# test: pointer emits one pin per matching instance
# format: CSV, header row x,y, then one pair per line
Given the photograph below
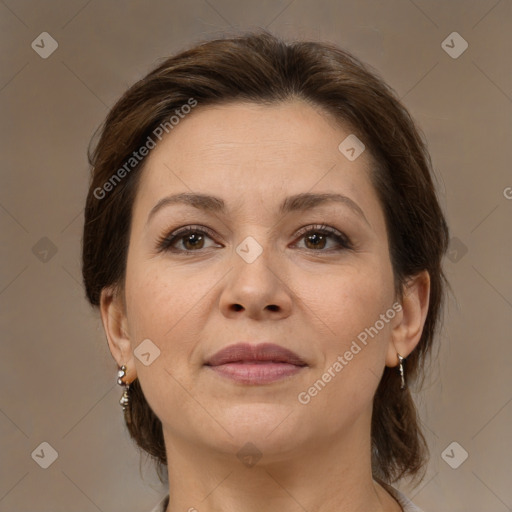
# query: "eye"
x,y
191,239
317,237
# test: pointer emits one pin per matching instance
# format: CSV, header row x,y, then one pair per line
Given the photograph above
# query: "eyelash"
x,y
165,243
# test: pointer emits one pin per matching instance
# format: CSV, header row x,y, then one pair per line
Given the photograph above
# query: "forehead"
x,y
289,128
250,152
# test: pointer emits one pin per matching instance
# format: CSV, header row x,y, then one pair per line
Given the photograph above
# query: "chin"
x,y
273,428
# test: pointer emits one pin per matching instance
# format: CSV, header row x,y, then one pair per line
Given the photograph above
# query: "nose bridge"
x,y
255,236
254,259
254,283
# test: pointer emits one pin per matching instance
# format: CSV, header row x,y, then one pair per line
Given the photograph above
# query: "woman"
x,y
263,240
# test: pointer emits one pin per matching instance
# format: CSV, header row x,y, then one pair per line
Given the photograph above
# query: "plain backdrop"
x,y
57,378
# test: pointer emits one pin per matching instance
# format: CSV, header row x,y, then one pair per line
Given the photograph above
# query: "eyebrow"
x,y
299,202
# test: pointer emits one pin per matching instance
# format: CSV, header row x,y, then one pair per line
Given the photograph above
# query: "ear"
x,y
113,316
409,322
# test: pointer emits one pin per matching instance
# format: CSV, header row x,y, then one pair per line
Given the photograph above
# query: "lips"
x,y
256,365
254,354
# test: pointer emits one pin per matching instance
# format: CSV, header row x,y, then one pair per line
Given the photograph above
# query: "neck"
x,y
324,475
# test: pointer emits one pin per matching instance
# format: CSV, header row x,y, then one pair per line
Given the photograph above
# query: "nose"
x,y
258,289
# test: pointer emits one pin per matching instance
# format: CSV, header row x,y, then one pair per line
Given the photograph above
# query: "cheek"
x,y
158,293
157,304
356,306
160,308
353,299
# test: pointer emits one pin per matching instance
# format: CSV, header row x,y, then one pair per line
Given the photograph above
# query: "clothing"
x,y
405,503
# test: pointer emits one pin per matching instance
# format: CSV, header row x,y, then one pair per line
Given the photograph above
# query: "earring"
x,y
125,399
402,371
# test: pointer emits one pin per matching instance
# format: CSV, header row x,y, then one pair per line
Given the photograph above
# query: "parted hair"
x,y
261,68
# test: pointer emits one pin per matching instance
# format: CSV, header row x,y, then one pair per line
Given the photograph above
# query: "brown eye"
x,y
317,237
190,239
195,240
317,240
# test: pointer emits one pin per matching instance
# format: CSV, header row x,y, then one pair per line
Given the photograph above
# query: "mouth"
x,y
256,364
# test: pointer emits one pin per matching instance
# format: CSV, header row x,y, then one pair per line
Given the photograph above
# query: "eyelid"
x,y
346,242
166,241
193,227
320,227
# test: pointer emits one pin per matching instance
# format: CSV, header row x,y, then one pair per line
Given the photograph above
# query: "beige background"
x,y
57,377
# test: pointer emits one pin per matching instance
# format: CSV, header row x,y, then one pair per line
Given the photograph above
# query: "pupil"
x,y
318,237
191,237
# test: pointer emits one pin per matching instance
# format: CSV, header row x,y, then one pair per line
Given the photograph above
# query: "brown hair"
x,y
261,68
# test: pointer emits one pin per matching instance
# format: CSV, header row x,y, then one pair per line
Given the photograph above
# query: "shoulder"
x,y
404,501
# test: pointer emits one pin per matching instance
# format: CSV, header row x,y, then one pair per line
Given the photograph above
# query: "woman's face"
x,y
260,273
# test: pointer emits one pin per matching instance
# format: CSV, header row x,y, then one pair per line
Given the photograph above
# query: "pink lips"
x,y
255,364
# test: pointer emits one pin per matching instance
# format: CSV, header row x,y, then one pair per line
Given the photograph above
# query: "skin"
x,y
315,457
